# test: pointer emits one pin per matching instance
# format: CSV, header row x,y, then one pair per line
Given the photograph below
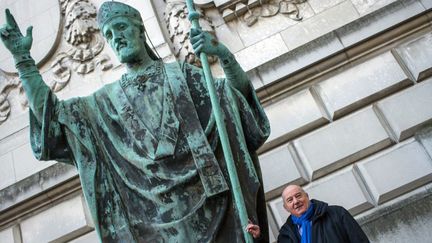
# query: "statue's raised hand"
x,y
12,37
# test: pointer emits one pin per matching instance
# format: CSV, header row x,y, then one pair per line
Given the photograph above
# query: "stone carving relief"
x,y
249,11
86,43
178,26
6,86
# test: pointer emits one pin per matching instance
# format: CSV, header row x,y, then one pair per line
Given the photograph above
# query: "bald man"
x,y
314,221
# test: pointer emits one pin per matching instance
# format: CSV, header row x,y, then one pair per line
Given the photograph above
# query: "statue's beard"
x,y
129,55
130,51
125,52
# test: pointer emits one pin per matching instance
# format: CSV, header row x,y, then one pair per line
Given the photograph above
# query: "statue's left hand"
x,y
203,41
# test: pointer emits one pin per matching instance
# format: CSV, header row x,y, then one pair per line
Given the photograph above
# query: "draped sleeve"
x,y
66,134
247,129
243,108
63,130
255,124
47,137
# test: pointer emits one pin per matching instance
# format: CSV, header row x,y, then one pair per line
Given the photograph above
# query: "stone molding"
x,y
330,60
28,196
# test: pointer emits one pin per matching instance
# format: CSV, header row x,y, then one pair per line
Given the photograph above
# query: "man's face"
x,y
296,201
126,39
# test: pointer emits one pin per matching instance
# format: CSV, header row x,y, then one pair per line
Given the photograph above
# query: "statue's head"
x,y
123,29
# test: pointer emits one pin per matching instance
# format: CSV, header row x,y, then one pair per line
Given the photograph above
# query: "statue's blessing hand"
x,y
12,37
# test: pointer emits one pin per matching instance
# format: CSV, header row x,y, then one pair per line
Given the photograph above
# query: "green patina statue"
x,y
146,147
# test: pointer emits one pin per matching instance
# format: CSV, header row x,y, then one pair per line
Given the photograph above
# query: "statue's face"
x,y
126,39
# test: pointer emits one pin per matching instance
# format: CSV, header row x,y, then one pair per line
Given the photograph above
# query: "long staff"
x,y
235,183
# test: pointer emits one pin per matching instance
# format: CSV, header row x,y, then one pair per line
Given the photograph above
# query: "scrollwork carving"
x,y
82,33
4,108
249,11
6,86
178,26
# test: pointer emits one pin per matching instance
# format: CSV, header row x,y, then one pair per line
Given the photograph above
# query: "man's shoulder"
x,y
337,212
337,209
287,225
323,208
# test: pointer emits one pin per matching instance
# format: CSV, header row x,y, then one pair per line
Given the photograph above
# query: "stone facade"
x,y
347,89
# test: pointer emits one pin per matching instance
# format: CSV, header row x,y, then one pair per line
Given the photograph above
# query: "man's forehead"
x,y
291,191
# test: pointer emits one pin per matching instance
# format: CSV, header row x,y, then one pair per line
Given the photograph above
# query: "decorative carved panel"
x,y
249,11
85,41
178,27
6,86
84,45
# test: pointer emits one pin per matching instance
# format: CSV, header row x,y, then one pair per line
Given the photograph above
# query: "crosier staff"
x,y
235,184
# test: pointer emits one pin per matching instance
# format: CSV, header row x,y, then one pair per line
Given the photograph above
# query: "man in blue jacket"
x,y
314,221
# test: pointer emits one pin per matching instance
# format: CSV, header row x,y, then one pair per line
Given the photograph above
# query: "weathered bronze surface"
x,y
146,146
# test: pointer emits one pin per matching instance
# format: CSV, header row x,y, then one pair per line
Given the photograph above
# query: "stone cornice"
x,y
42,189
382,41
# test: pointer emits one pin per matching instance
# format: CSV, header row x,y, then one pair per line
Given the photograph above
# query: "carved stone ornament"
x,y
82,34
178,26
6,86
249,11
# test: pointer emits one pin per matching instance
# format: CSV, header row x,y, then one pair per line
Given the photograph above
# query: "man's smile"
x,y
298,206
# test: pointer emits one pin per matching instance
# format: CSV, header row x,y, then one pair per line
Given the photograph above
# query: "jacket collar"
x,y
290,229
320,209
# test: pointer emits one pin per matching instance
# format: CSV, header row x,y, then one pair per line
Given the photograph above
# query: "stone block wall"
x,y
365,152
348,93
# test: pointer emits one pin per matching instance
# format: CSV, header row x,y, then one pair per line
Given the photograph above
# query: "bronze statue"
x,y
146,147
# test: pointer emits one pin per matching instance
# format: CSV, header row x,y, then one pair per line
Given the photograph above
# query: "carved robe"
x,y
149,156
